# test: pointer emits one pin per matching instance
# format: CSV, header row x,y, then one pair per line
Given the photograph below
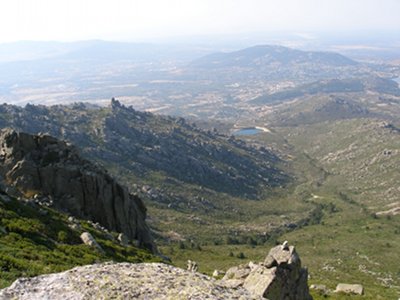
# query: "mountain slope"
x,y
147,145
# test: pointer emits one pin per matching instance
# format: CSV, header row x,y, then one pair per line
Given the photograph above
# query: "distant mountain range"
x,y
176,79
96,50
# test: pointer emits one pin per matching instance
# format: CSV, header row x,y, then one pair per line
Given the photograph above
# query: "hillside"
x,y
348,166
148,145
197,185
328,101
37,239
361,157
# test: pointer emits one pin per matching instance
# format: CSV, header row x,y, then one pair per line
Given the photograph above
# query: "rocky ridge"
x,y
141,145
42,166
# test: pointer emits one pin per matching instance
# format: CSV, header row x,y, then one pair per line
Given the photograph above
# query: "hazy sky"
x,y
138,19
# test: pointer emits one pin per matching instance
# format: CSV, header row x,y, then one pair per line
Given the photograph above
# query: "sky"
x,y
130,20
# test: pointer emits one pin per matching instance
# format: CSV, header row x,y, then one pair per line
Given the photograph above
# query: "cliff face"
x,y
41,164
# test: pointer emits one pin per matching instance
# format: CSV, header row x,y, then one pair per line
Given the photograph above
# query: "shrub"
x,y
62,236
182,245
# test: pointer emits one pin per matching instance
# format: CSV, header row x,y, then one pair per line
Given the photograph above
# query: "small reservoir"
x,y
249,131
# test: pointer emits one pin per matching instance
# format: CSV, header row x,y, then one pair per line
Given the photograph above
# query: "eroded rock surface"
x,y
122,281
41,164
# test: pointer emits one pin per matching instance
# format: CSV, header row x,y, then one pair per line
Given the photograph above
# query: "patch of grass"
x,y
36,243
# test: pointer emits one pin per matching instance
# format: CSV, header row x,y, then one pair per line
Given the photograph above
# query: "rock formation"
x,y
192,266
280,276
122,281
41,164
89,240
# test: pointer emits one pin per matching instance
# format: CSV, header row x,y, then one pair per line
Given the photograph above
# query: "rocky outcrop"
x,y
345,288
280,276
89,240
122,281
41,164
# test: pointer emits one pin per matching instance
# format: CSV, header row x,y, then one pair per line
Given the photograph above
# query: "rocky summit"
x,y
40,166
122,281
280,276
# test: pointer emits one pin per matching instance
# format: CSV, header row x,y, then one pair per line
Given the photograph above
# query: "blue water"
x,y
397,79
247,131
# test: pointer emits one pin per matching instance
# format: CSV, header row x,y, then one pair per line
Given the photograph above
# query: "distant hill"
x,y
349,85
312,109
95,50
264,55
266,64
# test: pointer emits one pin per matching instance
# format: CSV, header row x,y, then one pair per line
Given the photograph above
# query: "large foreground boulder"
x,y
280,276
122,281
41,164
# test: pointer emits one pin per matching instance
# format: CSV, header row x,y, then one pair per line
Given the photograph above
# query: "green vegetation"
x,y
38,240
348,245
345,171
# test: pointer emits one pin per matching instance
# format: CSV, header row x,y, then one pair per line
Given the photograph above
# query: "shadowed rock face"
x,y
41,164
